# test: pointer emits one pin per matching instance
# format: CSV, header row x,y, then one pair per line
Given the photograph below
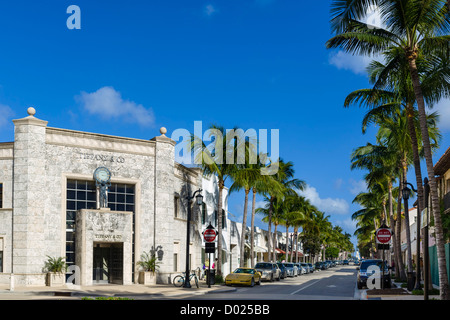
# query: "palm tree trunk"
x,y
420,192
219,228
440,242
274,256
392,224
252,231
269,244
287,243
244,227
398,250
296,243
408,229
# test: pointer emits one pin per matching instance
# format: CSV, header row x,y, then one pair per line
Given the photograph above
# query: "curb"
x,y
168,292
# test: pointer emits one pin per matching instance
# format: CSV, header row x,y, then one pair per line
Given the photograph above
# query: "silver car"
x,y
306,267
269,271
291,269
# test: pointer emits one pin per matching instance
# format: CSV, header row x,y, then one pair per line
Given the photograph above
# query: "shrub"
x,y
54,264
148,262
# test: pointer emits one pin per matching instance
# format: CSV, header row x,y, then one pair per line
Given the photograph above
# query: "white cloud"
x,y
349,225
443,109
5,115
328,205
346,61
210,10
357,186
108,104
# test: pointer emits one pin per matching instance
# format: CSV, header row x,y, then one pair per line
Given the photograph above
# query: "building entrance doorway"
x,y
108,263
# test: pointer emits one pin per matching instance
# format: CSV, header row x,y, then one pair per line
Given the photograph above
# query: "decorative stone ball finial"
x,y
31,111
163,130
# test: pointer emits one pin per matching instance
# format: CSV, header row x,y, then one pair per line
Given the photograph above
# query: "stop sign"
x,y
384,235
209,235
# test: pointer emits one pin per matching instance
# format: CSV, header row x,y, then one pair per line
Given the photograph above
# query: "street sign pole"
x,y
209,271
382,271
383,235
209,235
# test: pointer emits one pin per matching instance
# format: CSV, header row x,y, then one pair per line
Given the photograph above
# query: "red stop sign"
x,y
209,235
384,235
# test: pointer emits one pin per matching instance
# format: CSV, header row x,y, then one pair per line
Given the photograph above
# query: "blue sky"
x,y
135,66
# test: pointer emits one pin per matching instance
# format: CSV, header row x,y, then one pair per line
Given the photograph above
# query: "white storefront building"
x,y
50,205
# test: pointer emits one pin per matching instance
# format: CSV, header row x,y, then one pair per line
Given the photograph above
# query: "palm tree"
x,y
244,178
393,91
293,215
394,133
382,164
311,228
213,164
288,185
414,27
262,185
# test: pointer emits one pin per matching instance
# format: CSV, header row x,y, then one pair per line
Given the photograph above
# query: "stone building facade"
x,y
49,205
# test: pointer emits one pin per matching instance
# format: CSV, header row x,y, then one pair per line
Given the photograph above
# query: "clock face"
x,y
102,175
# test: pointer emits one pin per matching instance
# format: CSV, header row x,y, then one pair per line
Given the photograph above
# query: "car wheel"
x,y
279,277
359,284
259,282
252,283
271,277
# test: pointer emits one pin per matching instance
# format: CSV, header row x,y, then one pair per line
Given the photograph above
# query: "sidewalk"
x,y
134,291
406,295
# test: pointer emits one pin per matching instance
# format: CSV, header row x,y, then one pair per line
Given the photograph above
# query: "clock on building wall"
x,y
102,175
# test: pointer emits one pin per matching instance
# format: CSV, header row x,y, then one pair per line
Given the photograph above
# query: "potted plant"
x,y
56,268
149,265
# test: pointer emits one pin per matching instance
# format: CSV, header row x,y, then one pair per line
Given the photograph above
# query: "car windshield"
x,y
241,270
367,263
264,265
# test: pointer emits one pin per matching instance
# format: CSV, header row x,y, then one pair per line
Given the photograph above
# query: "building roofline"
x,y
443,164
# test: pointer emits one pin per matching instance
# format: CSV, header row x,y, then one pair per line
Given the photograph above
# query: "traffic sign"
x,y
209,235
210,247
383,235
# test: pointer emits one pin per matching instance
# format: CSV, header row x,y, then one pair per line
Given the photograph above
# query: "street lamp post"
x,y
199,201
405,194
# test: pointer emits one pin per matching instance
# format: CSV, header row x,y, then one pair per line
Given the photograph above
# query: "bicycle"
x,y
178,281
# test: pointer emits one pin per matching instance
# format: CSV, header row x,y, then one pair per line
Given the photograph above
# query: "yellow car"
x,y
243,276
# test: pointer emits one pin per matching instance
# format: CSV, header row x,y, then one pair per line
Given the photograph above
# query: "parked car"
x,y
311,267
319,265
269,271
243,276
299,269
282,269
306,266
290,271
364,273
345,262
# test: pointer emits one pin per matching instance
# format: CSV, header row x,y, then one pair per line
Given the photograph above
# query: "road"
x,y
337,283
